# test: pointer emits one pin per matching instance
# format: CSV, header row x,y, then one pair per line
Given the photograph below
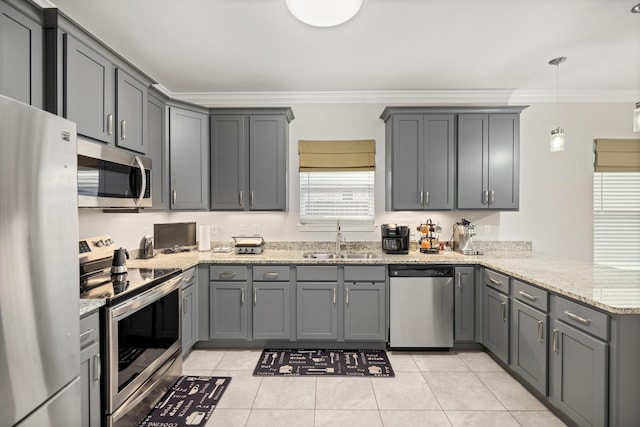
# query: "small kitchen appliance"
x,y
146,248
119,263
249,245
463,233
395,238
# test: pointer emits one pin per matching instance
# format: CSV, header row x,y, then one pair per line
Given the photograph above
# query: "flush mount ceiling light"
x,y
324,13
556,142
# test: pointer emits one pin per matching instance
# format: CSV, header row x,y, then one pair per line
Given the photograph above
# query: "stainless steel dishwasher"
x,y
421,306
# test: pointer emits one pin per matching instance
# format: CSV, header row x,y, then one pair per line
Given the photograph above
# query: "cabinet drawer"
x,y
89,330
364,274
496,280
188,278
317,273
531,295
581,317
268,273
228,272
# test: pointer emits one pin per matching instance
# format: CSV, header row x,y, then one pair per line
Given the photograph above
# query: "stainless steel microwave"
x,y
112,178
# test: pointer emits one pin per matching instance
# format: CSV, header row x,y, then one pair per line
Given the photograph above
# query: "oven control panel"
x,y
93,248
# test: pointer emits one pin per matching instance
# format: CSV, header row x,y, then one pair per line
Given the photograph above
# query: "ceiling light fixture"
x,y
324,13
636,8
556,142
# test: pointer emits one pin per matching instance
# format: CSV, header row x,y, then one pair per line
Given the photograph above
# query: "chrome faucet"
x,y
339,238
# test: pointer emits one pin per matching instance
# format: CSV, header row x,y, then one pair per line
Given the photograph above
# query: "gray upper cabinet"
x,y
464,304
90,94
131,97
158,150
420,162
189,159
488,161
21,54
249,159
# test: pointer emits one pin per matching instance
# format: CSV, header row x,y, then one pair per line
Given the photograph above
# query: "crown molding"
x,y
501,96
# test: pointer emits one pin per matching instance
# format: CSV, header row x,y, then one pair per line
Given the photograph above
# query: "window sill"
x,y
331,226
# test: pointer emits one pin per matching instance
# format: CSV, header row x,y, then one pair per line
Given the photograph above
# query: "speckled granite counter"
x,y
89,305
609,289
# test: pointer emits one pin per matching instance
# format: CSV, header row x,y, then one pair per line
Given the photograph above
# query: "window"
x,y
616,215
328,196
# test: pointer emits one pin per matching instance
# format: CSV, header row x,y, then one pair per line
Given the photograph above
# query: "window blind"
x,y
332,156
617,155
327,196
616,215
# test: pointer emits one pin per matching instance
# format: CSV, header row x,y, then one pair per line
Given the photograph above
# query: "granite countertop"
x,y
609,289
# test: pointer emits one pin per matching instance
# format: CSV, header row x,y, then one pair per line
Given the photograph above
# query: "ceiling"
x,y
216,47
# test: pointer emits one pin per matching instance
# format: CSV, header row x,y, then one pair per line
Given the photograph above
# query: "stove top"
x,y
114,288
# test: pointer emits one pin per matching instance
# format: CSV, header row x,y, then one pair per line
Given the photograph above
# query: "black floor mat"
x,y
356,363
189,402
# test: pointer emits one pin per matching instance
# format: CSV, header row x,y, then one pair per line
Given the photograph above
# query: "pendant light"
x,y
636,117
556,142
324,13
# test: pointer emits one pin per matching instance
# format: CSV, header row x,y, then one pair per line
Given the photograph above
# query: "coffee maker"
x,y
463,233
395,238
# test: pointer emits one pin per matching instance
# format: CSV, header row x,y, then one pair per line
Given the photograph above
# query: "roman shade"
x,y
617,155
337,156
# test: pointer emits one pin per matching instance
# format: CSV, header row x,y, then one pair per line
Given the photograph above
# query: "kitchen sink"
x,y
333,255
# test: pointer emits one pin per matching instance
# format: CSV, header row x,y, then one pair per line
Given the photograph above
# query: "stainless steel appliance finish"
x,y
112,178
39,326
463,233
248,245
420,306
146,248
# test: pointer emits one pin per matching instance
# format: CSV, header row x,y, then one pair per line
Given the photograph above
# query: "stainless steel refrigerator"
x,y
39,320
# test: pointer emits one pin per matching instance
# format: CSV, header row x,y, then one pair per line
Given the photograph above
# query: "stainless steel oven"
x,y
143,346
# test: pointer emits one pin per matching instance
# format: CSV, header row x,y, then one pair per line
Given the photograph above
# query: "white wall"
x,y
555,188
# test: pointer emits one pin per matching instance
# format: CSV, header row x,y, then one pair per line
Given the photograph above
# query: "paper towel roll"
x,y
204,238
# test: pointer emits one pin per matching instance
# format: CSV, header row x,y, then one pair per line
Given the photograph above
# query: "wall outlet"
x,y
487,229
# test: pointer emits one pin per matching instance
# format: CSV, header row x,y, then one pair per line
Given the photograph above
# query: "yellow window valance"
x,y
337,156
617,155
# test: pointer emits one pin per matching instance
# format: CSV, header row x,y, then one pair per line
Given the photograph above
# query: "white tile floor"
x,y
429,389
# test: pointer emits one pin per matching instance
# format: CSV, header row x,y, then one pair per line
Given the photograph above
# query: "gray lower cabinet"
x,y
189,310
90,370
365,311
529,344
271,311
488,161
464,305
158,149
249,157
228,310
131,106
317,311
21,54
495,323
90,93
189,159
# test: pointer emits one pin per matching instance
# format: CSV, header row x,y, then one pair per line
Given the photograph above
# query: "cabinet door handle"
x,y
252,198
492,197
459,280
528,296
184,305
577,318
271,275
495,282
109,124
227,275
255,296
85,333
421,198
540,331
346,296
242,296
97,368
503,310
555,340
426,198
334,296
485,197
174,196
123,130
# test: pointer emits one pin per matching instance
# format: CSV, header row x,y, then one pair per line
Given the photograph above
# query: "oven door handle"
x,y
145,298
143,188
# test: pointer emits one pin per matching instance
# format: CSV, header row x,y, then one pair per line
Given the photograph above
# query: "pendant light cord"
x,y
557,93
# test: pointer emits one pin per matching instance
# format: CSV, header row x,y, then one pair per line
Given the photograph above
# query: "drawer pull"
x,y
86,333
227,275
540,331
495,282
272,275
577,318
555,340
528,296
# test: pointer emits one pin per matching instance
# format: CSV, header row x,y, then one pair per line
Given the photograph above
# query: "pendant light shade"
x,y
636,118
324,13
556,141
